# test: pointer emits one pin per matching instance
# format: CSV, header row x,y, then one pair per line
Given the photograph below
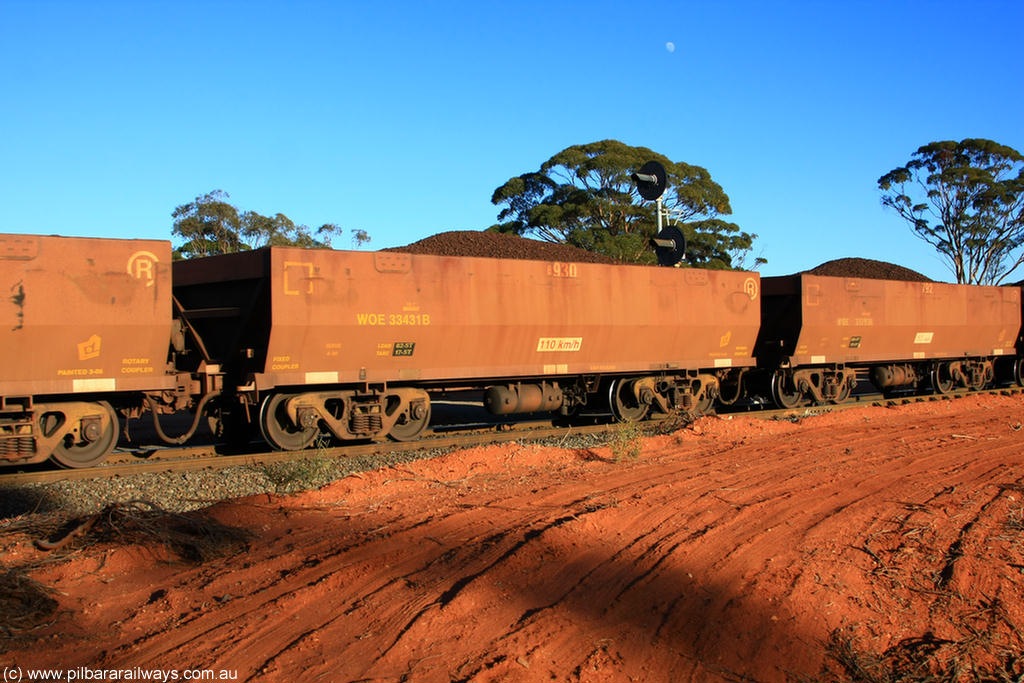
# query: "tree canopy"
x,y
210,225
584,196
965,199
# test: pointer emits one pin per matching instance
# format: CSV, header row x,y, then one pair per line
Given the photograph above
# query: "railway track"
x,y
128,463
205,457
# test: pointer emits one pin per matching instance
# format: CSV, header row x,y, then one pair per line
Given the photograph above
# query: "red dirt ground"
x,y
734,549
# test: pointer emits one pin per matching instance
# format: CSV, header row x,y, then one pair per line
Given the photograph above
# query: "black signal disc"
x,y
651,190
670,255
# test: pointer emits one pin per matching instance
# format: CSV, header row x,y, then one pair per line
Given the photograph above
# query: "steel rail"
x,y
206,457
200,458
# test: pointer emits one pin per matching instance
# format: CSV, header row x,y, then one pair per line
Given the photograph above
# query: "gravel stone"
x,y
184,491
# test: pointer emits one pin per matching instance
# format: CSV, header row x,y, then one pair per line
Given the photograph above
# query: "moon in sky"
x,y
671,47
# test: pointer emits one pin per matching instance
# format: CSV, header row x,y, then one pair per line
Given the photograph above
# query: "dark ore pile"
x,y
498,245
867,268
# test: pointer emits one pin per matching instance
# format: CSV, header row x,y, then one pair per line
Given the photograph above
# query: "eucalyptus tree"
x,y
585,196
965,199
210,225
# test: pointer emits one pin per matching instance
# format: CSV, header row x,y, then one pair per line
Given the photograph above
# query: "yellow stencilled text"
x,y
136,366
563,269
559,344
855,322
283,363
394,319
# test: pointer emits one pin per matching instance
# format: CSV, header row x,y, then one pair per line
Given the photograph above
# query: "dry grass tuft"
x,y
924,659
25,604
973,657
192,537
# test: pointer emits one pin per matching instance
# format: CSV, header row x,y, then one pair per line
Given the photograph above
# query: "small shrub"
x,y
626,442
297,475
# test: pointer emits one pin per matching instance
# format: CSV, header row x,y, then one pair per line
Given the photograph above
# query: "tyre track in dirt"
x,y
733,548
282,598
655,550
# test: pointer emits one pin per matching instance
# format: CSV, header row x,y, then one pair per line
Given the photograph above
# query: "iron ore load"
x,y
301,347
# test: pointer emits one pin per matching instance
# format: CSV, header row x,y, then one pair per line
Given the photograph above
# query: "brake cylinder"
x,y
522,398
884,376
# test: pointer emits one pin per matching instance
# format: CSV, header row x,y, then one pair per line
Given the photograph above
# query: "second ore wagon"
x,y
352,342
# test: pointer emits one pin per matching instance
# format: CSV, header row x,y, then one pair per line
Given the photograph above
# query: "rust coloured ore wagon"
x,y
353,343
84,328
819,332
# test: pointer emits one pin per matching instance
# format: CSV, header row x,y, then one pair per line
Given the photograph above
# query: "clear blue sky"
x,y
401,118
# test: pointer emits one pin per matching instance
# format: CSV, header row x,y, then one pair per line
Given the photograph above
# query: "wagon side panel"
x,y
852,320
373,317
83,315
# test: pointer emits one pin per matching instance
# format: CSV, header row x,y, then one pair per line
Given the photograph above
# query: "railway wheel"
x,y
277,428
942,380
412,422
86,443
978,380
703,405
784,392
1018,372
624,404
843,395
